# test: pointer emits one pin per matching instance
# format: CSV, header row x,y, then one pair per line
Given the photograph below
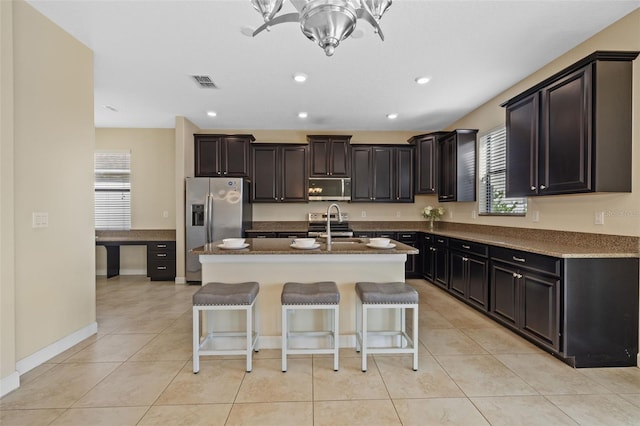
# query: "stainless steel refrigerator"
x,y
216,208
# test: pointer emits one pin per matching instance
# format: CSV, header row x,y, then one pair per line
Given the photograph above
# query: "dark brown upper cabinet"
x,y
457,166
571,133
382,174
426,165
222,155
279,173
329,156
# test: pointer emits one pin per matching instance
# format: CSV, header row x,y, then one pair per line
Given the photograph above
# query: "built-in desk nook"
x,y
161,250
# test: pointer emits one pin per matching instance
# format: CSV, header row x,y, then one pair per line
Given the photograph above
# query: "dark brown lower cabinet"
x,y
441,261
161,260
528,301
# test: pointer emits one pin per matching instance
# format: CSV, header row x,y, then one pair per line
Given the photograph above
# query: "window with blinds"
x,y
492,168
112,190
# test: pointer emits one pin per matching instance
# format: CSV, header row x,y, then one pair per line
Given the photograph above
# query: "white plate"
x,y
222,246
315,246
388,246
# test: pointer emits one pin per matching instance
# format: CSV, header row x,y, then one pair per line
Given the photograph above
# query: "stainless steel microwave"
x,y
329,189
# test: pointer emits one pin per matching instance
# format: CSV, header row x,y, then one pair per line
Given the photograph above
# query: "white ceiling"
x,y
146,50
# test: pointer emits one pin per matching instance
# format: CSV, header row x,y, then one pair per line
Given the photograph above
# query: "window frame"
x,y
485,203
112,176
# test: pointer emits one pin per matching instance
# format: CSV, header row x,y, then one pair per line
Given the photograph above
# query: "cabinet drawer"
x,y
440,241
523,259
162,247
469,247
387,234
407,237
363,234
261,235
294,234
160,270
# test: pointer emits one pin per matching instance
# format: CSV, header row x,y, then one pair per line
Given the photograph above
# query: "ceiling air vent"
x,y
204,81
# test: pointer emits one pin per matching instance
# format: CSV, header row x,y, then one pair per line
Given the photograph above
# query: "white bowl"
x,y
233,242
379,242
304,242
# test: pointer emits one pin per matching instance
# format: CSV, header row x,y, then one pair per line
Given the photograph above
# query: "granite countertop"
x,y
541,241
283,246
136,235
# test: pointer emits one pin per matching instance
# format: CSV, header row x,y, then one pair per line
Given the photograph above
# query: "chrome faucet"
x,y
329,222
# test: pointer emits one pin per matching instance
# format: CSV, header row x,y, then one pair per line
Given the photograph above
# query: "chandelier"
x,y
326,22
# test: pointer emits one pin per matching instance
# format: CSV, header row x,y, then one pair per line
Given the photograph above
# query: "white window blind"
x,y
492,167
112,190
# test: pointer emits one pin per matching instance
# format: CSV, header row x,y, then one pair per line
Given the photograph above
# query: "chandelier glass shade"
x,y
325,22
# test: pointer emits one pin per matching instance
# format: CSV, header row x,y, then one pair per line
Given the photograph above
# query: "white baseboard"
x,y
181,280
9,383
56,348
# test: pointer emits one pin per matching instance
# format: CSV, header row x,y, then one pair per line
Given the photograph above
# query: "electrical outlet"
x,y
474,214
599,218
398,214
39,220
363,214
165,214
535,216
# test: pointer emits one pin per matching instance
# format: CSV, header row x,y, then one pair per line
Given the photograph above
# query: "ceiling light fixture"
x,y
303,115
211,113
422,80
392,116
326,22
300,77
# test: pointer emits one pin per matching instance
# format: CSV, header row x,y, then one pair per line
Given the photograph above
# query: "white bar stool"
x,y
394,295
225,297
323,295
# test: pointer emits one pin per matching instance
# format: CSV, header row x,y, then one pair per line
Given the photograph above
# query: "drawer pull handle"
x,y
465,259
161,245
161,254
519,259
162,268
466,247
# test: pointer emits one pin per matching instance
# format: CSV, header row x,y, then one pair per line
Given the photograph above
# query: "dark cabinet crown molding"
x,y
598,55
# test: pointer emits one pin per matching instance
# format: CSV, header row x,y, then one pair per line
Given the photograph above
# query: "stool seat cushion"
x,y
383,293
226,294
318,293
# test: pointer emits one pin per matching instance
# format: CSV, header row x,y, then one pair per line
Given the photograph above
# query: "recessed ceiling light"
x,y
422,80
392,116
211,113
110,108
303,115
300,77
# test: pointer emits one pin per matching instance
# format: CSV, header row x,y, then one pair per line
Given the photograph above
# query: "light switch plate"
x,y
599,218
39,220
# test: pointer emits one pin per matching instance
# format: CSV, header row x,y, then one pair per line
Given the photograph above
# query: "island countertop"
x,y
283,246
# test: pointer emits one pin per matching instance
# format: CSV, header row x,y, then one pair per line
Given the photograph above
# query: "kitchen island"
x,y
273,261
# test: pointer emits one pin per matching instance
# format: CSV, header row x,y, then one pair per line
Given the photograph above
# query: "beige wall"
x,y
8,373
52,143
152,187
572,212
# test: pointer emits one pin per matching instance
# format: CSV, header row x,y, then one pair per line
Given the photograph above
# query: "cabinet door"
x,y
361,174
264,172
383,181
207,156
426,165
329,156
447,169
477,282
404,174
293,179
565,146
235,156
441,266
522,147
458,273
539,305
504,294
427,257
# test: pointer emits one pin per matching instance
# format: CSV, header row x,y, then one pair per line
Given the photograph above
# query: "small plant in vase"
x,y
432,214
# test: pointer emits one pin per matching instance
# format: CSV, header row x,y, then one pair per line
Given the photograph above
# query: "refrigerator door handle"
x,y
206,219
210,219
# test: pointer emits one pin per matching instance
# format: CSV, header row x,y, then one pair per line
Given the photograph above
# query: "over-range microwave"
x,y
329,189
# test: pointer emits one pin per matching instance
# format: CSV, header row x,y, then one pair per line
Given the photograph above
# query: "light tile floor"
x,y
137,371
